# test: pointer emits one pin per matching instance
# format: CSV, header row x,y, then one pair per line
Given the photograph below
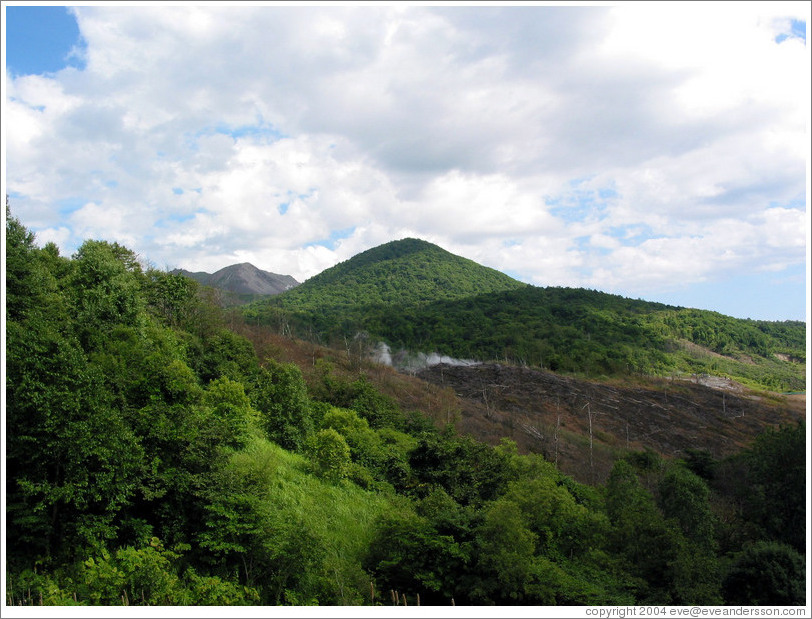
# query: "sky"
x,y
653,150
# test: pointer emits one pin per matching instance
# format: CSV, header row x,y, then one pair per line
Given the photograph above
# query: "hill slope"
x,y
243,279
598,334
547,413
416,296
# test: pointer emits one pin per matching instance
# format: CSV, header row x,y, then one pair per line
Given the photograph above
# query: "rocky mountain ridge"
x,y
243,279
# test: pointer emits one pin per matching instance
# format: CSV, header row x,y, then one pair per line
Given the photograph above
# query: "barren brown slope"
x,y
550,414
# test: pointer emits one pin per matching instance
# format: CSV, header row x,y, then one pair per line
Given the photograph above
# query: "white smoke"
x,y
382,354
411,362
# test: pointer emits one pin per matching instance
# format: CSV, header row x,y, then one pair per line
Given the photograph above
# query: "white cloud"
x,y
568,145
473,208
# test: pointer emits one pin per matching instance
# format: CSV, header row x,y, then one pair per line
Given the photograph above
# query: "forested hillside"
x,y
404,274
597,334
415,296
153,457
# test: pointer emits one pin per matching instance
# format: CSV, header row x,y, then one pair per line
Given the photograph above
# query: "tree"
x,y
105,290
73,462
469,471
365,445
505,549
280,394
233,408
330,454
408,555
224,353
171,297
640,534
563,527
685,497
379,410
775,496
132,575
22,288
766,573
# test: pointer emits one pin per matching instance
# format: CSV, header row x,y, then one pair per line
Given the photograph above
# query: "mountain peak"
x,y
405,272
394,250
244,278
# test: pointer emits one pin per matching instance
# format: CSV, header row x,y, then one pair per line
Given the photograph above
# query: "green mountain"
x,y
405,273
416,296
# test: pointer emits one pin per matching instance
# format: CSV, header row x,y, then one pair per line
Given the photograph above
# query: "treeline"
x,y
153,458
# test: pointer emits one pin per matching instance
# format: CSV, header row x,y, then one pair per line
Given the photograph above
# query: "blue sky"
x,y
40,39
572,146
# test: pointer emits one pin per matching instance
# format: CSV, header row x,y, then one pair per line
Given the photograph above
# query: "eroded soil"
x,y
551,414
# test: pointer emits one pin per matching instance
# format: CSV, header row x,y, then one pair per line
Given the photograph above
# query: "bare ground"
x,y
551,414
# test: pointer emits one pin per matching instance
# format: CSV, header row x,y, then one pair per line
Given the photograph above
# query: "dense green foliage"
x,y
416,296
404,273
407,272
153,458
